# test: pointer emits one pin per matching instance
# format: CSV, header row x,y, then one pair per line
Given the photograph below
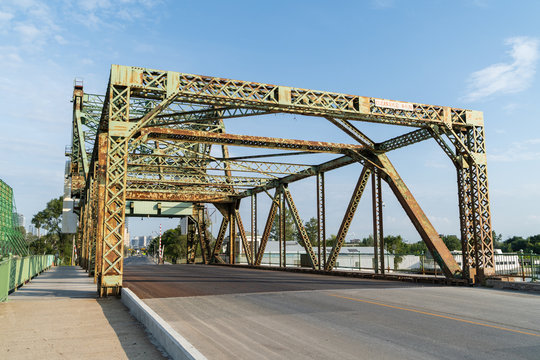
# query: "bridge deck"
x,y
234,313
57,316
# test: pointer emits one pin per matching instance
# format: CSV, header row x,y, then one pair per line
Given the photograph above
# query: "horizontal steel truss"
x,y
156,129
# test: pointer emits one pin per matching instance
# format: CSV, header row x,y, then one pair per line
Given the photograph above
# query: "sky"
x,y
480,55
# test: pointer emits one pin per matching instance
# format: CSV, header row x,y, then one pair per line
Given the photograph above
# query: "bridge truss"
x,y
150,138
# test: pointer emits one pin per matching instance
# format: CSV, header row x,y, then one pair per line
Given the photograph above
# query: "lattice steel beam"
x,y
248,141
348,217
226,92
268,227
211,164
404,140
378,233
300,227
243,236
219,240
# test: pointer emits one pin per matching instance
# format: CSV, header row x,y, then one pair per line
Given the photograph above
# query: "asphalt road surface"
x,y
232,313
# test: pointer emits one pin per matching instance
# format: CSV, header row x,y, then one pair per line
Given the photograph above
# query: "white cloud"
x,y
28,32
106,13
505,78
5,18
527,150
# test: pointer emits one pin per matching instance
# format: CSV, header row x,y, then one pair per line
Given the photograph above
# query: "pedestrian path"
x,y
58,316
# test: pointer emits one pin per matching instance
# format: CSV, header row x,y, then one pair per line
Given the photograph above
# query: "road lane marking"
x,y
436,315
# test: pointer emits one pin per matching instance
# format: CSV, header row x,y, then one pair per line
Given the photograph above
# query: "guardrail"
x,y
17,271
518,264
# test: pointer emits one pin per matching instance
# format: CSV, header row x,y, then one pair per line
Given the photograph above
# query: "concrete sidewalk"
x,y
58,316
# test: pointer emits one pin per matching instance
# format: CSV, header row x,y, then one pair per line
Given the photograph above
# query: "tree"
x,y
368,241
395,245
174,244
53,241
497,240
452,242
291,233
535,243
418,248
311,227
330,241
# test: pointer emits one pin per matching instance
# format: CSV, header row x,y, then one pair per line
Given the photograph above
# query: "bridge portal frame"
x,y
144,106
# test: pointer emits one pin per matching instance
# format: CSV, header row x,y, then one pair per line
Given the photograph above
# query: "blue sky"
x,y
478,55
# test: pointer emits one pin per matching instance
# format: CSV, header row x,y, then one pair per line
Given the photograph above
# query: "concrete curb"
x,y
511,285
176,346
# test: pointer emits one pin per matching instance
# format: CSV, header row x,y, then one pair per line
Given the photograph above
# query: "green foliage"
x,y
175,244
53,242
311,229
452,242
518,243
50,218
368,241
291,233
331,240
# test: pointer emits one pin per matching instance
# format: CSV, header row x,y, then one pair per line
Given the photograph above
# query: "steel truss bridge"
x,y
147,144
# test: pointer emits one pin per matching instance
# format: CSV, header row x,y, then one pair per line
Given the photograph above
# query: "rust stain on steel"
x,y
162,196
251,141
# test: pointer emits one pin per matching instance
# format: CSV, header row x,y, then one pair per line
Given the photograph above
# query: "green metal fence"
x,y
16,271
11,237
519,264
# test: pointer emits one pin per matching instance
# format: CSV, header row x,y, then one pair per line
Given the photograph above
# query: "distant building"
x,y
126,237
21,220
138,242
69,218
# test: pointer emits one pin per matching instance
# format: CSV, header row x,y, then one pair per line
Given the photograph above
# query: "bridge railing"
x,y
519,264
16,271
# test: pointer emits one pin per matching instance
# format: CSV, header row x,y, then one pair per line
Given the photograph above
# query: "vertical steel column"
x,y
375,184
473,194
118,103
466,222
98,202
283,224
253,225
379,216
84,231
232,235
281,227
321,220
